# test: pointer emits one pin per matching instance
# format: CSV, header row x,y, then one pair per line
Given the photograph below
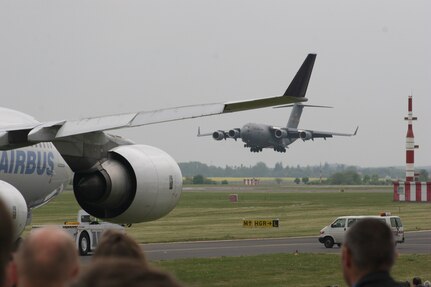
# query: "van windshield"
x,y
340,222
396,222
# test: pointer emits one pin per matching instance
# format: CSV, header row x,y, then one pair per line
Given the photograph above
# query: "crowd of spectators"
x,y
48,257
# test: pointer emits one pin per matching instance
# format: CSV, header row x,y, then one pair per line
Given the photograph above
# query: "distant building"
x,y
251,181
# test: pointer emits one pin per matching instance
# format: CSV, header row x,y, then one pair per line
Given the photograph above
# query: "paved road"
x,y
416,243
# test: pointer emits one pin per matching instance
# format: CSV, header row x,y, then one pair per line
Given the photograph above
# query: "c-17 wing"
x,y
219,135
319,134
292,133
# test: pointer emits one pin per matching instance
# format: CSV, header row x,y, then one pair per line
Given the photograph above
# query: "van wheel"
x,y
84,243
329,242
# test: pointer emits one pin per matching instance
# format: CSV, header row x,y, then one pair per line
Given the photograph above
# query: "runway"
x,y
415,243
418,242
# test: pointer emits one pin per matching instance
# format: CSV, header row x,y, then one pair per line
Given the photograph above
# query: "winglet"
x,y
299,84
295,93
356,131
199,131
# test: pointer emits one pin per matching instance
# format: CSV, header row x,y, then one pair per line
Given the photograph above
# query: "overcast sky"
x,y
74,59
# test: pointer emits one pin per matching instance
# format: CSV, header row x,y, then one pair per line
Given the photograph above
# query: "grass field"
x,y
209,214
206,213
281,270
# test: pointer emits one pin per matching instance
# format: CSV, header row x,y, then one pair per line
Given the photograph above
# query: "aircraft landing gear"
x,y
256,149
280,149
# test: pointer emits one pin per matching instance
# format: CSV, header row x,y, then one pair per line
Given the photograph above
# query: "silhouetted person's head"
x,y
116,244
417,281
369,247
6,233
121,272
47,257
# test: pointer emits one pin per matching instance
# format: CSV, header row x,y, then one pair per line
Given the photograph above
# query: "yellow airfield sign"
x,y
260,223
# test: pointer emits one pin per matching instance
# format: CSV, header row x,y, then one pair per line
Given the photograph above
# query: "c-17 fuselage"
x,y
259,136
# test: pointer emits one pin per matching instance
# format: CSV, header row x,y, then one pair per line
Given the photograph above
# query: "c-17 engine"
x,y
279,133
234,133
219,135
305,135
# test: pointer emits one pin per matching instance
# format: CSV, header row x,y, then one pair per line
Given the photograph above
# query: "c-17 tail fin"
x,y
299,84
298,88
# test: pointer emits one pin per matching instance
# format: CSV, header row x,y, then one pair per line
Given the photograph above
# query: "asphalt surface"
x,y
415,243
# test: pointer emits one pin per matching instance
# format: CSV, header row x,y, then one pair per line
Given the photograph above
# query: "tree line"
x,y
331,173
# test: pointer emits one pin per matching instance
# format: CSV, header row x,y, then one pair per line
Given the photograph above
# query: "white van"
x,y
334,233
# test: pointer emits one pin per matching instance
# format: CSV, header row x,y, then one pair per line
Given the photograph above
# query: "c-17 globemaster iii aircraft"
x,y
260,136
113,178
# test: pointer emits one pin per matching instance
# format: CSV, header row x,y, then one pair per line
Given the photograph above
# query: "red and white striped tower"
x,y
410,143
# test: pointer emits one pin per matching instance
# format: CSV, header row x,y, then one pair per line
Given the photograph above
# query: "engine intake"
x,y
135,183
279,133
107,191
17,206
234,133
218,135
306,135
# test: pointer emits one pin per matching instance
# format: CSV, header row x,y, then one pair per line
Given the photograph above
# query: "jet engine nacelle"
x,y
17,206
279,133
218,135
136,183
306,135
234,133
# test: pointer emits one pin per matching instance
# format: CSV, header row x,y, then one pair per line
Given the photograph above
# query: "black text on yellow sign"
x,y
259,223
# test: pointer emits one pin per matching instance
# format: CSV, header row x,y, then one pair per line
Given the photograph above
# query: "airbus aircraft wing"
x,y
49,131
75,127
31,131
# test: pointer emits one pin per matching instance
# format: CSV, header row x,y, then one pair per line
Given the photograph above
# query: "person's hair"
x,y
371,244
417,280
116,244
6,234
46,256
120,272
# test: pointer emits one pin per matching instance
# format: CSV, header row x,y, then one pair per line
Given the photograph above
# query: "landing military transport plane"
x,y
260,136
113,178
